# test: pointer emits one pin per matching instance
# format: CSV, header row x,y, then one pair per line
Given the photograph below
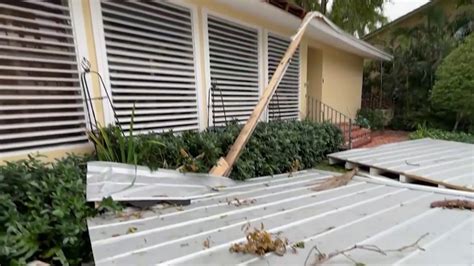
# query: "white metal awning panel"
x,y
125,182
437,161
389,215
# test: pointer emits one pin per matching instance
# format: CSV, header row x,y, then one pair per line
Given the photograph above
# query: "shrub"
x,y
274,147
43,211
454,85
369,118
424,132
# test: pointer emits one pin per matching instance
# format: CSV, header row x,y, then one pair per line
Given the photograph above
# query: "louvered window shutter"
x,y
150,56
40,97
233,56
284,103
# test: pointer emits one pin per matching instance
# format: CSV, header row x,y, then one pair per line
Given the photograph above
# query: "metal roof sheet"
x,y
447,163
125,182
389,215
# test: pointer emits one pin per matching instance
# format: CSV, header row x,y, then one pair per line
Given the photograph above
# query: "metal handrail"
x,y
318,111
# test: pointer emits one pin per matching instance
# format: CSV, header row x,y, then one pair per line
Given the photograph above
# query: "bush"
x,y
43,211
275,147
424,132
368,118
454,85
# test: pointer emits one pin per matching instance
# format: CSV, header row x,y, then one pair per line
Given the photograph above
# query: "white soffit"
x,y
321,29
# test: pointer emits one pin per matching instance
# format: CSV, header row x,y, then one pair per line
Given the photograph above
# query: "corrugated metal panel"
x,y
40,98
150,53
364,211
233,55
285,102
128,183
437,161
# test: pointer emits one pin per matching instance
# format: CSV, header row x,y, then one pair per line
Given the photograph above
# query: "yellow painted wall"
x,y
315,71
342,81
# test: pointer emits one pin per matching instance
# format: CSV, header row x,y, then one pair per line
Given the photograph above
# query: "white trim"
x,y
81,48
6,156
266,113
197,62
321,30
261,67
101,56
207,66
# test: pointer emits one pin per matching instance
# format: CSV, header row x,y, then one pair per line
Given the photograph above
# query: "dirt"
x,y
386,137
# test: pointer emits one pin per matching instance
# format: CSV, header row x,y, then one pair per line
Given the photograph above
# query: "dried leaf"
x,y
131,230
260,242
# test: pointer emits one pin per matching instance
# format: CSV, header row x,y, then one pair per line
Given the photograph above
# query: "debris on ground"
x,y
335,181
259,242
297,245
239,202
323,257
207,243
131,230
453,204
125,216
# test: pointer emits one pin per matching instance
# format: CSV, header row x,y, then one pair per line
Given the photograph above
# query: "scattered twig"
x,y
453,204
323,257
335,181
239,202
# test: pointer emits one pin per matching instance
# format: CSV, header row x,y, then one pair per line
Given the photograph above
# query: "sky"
x,y
397,8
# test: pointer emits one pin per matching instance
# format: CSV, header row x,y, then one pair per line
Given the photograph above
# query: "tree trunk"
x,y
458,119
324,4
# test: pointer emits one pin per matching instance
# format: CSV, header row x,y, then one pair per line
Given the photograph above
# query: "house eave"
x,y
321,29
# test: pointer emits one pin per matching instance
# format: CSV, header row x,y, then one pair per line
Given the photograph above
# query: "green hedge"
x,y
275,147
43,212
424,132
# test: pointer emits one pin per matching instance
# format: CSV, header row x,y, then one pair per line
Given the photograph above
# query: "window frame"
x,y
103,66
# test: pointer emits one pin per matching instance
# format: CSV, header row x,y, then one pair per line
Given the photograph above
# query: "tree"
x,y
454,87
354,16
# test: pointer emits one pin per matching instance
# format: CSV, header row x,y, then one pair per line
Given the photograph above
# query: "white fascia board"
x,y
321,29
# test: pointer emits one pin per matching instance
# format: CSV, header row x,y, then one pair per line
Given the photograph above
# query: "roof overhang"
x,y
320,29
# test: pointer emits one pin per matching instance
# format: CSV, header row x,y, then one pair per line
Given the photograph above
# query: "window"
x,y
234,69
151,64
40,97
284,103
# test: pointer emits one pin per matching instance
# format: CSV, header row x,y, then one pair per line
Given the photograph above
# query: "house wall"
x,y
315,72
338,74
342,81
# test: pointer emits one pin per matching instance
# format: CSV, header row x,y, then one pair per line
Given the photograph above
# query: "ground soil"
x,y
385,137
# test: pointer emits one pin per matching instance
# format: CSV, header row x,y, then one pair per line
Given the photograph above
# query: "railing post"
x,y
350,133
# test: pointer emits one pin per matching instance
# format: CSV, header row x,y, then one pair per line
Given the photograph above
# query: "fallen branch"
x,y
323,257
453,204
335,181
